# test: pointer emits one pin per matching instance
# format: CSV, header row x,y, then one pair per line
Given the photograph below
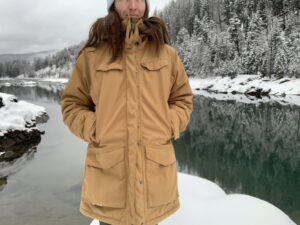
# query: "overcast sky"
x,y
37,25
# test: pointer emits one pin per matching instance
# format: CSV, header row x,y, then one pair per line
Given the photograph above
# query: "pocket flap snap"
x,y
161,154
105,159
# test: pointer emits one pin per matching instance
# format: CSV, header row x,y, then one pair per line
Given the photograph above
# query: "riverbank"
x,y
249,89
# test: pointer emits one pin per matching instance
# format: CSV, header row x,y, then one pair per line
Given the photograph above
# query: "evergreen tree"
x,y
253,53
183,48
234,30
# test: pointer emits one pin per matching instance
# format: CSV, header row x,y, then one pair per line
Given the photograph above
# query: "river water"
x,y
245,148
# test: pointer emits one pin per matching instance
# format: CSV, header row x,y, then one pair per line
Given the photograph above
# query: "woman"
x,y
128,96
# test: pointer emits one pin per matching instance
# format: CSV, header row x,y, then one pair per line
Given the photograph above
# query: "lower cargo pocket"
x,y
104,181
161,175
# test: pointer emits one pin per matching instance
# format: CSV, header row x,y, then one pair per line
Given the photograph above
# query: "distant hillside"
x,y
26,56
46,64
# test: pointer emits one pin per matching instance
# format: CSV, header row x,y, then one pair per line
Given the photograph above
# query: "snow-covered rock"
x,y
18,121
17,115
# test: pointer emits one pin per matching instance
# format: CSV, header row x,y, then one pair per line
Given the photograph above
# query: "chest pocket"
x,y
157,77
106,73
109,85
107,76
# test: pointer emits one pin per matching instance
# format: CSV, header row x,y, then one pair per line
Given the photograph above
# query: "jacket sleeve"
x,y
76,104
180,99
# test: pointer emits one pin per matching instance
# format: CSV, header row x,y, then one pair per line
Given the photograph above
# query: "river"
x,y
245,148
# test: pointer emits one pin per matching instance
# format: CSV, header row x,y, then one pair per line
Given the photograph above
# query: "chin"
x,y
135,18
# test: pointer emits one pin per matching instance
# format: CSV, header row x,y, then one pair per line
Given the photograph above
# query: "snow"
x,y
7,97
56,80
205,203
29,83
244,83
6,84
284,91
15,115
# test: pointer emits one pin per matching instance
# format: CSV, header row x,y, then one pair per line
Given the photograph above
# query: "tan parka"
x,y
128,111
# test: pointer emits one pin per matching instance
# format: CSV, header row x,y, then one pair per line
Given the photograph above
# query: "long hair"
x,y
109,30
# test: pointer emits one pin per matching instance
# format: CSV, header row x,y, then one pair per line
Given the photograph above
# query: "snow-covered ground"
x,y
284,91
56,80
17,115
250,83
205,203
32,81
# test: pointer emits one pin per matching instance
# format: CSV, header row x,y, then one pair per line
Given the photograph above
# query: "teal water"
x,y
246,148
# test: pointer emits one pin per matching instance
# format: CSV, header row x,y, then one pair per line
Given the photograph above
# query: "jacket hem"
x,y
154,221
166,214
100,218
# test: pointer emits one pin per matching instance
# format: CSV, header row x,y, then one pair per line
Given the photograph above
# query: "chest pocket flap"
x,y
109,66
154,65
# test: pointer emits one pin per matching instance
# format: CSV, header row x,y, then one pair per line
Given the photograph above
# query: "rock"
x,y
42,118
284,80
9,155
17,137
258,92
1,102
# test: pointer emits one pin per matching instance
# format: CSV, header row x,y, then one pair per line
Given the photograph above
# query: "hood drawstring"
x,y
133,35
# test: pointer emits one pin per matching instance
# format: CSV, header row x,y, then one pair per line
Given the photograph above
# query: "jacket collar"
x,y
134,35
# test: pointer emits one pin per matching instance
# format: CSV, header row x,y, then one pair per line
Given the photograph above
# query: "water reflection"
x,y
3,182
10,167
46,92
245,149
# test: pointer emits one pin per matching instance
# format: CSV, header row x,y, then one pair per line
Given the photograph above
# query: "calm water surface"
x,y
243,148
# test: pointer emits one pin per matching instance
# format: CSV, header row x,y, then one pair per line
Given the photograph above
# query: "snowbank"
x,y
56,80
205,203
246,88
249,83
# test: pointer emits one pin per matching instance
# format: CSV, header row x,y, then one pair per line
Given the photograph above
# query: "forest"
x,y
230,37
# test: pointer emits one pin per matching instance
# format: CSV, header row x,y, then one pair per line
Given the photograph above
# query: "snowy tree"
x,y
183,46
201,28
253,53
234,30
